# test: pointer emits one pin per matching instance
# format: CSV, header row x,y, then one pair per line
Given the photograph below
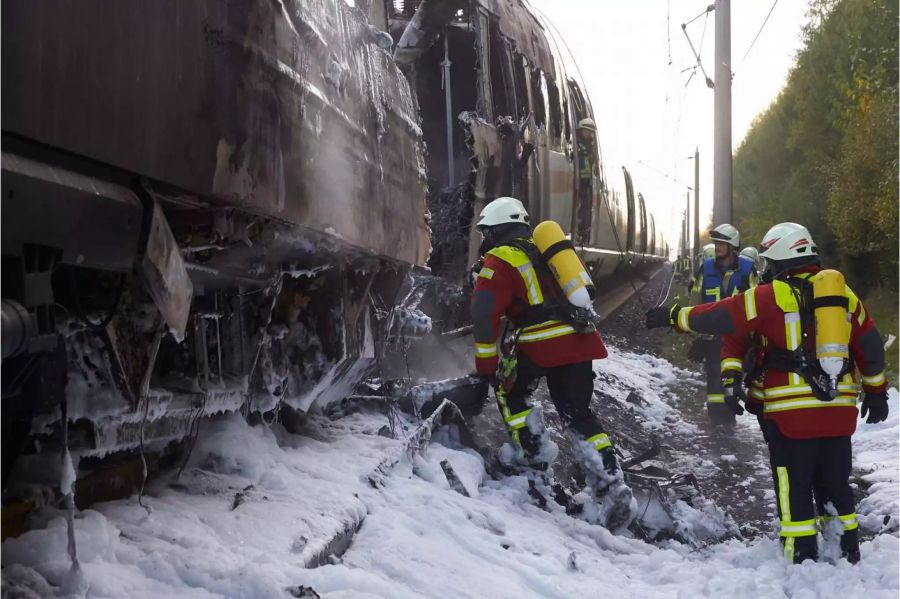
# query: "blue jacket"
x,y
716,285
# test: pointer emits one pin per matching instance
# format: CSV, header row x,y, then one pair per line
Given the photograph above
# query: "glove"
x,y
734,391
663,316
754,407
697,350
875,405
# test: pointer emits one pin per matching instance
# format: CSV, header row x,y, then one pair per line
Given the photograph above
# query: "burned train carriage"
x,y
218,206
206,206
501,117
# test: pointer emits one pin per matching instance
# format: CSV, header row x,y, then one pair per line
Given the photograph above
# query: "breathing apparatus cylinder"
x,y
559,254
832,323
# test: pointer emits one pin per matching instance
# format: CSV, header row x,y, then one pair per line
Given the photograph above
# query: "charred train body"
x,y
206,205
501,117
219,206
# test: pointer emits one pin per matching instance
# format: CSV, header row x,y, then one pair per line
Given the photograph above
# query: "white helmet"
x,y
502,211
587,125
709,251
786,241
751,253
726,234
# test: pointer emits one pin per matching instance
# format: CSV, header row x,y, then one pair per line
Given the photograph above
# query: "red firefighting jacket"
x,y
507,285
768,315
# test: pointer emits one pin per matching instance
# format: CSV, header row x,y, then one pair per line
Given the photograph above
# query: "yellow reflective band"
x,y
784,490
486,273
757,393
784,297
541,325
849,521
852,300
792,330
731,364
750,304
683,320
501,403
486,350
535,296
875,380
599,441
715,398
802,528
789,549
550,333
843,389
805,403
517,421
821,521
519,260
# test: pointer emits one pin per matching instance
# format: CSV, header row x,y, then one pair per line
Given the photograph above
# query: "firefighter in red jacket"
x,y
514,283
808,414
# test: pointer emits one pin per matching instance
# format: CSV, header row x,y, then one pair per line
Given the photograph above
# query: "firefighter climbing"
x,y
812,334
515,282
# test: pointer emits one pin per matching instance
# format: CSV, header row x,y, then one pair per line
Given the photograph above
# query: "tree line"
x,y
825,152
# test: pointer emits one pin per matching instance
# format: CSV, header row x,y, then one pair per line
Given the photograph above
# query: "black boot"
x,y
612,493
850,545
804,548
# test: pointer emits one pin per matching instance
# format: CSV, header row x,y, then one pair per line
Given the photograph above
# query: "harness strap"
x,y
563,244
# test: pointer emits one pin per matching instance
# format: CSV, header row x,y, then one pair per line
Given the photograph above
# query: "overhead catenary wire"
x,y
761,27
709,82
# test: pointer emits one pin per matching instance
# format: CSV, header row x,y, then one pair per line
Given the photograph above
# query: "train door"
x,y
642,239
558,196
587,165
633,224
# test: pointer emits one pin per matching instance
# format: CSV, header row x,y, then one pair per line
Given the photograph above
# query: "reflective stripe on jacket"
x,y
770,313
506,286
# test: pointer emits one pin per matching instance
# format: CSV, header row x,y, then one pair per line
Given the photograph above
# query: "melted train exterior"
x,y
499,117
211,206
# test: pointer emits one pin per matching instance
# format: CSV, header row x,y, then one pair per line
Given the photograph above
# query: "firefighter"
x,y
708,252
686,271
752,254
514,283
679,268
586,133
809,413
723,275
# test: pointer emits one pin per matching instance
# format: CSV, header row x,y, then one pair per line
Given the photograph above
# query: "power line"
x,y
668,33
664,174
758,32
706,12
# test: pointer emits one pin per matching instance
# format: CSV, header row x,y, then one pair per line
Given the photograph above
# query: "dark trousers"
x,y
571,388
807,473
715,392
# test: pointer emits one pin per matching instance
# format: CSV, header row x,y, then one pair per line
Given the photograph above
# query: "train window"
x,y
555,114
498,55
519,64
537,98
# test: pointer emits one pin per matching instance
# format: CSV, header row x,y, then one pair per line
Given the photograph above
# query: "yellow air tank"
x,y
832,323
564,263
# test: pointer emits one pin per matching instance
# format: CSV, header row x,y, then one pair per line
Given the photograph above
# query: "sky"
x,y
647,119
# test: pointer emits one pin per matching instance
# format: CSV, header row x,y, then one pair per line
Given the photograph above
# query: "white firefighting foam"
x,y
256,504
